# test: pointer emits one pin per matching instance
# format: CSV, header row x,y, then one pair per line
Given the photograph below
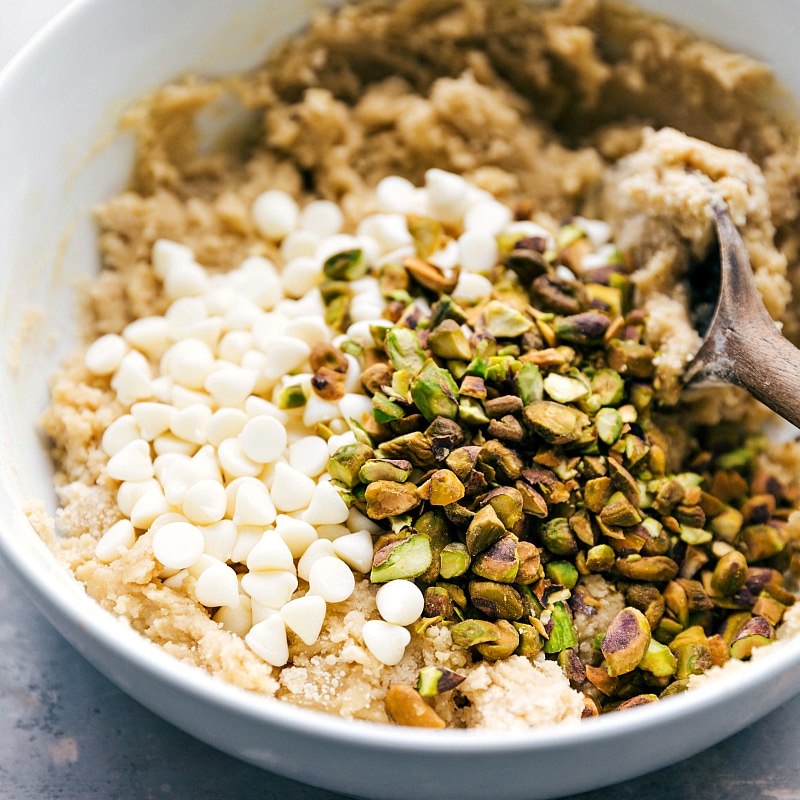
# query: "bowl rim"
x,y
80,612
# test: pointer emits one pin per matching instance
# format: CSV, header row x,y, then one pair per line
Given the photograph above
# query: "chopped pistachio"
x,y
558,538
530,640
507,503
484,530
430,276
762,541
563,389
435,392
437,603
496,600
730,573
384,409
345,464
658,660
433,681
563,634
626,641
630,358
530,385
499,562
596,493
455,560
692,659
448,341
586,328
620,511
403,348
474,631
502,647
609,425
414,446
291,396
727,524
562,572
389,498
608,386
471,412
404,706
427,235
472,386
600,558
555,423
756,632
349,265
444,488
404,559
505,322
385,469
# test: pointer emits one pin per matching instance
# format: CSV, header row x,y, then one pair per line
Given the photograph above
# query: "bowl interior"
x,y
62,154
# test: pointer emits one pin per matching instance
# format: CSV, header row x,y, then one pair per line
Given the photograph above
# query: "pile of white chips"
x,y
233,487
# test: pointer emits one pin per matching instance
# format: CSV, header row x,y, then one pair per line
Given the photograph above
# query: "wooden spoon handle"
x,y
768,366
743,345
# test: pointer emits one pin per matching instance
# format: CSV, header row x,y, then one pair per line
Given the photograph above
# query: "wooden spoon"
x,y
743,345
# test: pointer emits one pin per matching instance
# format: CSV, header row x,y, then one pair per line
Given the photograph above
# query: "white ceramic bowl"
x,y
59,101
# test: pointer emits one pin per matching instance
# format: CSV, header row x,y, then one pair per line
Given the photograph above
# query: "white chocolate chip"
x,y
234,462
190,423
220,538
189,362
104,355
477,251
327,506
267,640
400,602
218,586
167,254
185,280
299,243
178,545
487,216
204,502
150,335
355,549
271,553
231,385
309,455
385,641
237,619
151,505
297,534
305,616
118,539
273,589
133,379
275,214
321,548
321,217
129,493
153,419
254,505
300,275
263,439
225,423
291,490
132,462
331,579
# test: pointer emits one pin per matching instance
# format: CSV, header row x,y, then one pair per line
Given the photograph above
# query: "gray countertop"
x,y
68,733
